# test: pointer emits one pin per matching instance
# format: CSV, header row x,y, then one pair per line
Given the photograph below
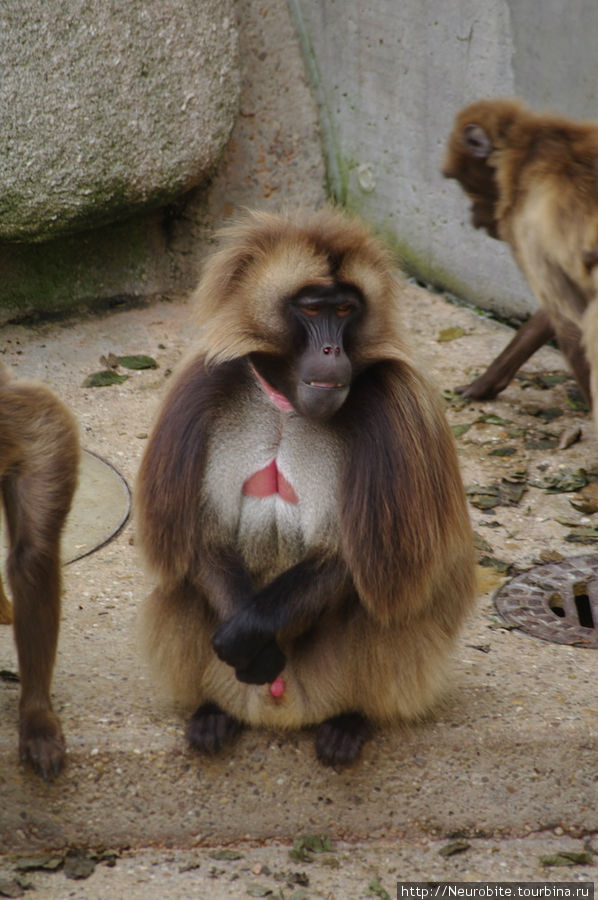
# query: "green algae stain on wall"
x,y
336,175
72,272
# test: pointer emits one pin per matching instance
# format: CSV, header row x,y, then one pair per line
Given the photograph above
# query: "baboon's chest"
x,y
273,480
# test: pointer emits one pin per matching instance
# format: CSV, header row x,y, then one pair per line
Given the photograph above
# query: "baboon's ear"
x,y
477,141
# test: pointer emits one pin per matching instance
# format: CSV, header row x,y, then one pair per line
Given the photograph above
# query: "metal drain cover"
x,y
100,508
555,602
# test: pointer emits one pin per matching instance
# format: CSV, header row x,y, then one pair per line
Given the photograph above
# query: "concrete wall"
x,y
389,76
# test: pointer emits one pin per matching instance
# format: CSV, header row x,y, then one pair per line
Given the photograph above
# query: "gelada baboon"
x,y
533,182
39,453
300,500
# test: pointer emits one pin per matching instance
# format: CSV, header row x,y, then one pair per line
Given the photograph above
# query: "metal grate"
x,y
555,602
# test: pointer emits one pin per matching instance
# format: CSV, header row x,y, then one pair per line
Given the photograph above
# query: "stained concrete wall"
x,y
389,77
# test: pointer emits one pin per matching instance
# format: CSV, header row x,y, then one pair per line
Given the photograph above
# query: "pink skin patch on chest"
x,y
272,394
277,688
268,481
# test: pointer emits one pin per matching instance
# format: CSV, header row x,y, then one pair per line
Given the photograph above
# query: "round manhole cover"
x,y
555,602
100,508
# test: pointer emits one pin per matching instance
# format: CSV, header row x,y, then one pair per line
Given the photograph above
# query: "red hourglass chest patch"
x,y
268,481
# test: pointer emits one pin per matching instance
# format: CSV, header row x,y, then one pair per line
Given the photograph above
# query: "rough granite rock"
x,y
108,108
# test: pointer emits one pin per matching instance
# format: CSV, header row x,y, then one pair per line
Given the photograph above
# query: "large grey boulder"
x,y
273,159
109,108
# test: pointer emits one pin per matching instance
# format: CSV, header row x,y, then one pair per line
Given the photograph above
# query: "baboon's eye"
x,y
311,309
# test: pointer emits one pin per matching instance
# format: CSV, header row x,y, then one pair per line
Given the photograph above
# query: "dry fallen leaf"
x,y
569,436
586,500
568,858
450,334
454,847
104,378
139,361
110,361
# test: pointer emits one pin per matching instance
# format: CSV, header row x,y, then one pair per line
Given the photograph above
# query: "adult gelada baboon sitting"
x,y
300,500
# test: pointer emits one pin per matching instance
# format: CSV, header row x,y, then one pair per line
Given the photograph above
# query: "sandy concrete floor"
x,y
508,762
